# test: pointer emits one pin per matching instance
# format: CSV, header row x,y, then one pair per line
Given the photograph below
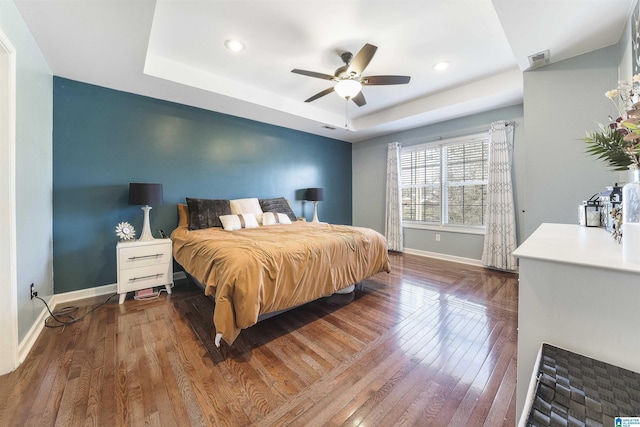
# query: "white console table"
x,y
576,293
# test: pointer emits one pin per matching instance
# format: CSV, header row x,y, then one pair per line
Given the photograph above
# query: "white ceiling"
x,y
174,50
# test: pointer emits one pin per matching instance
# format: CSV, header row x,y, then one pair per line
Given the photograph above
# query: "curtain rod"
x,y
454,134
506,123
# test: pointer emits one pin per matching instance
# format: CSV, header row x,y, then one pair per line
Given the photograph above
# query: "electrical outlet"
x,y
437,237
33,291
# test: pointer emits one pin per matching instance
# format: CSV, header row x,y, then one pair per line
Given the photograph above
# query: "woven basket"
x,y
575,390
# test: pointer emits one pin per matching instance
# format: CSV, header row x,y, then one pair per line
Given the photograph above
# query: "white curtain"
x,y
500,219
393,224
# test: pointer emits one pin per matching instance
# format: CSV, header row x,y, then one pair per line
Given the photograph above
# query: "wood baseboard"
x,y
83,293
24,347
445,257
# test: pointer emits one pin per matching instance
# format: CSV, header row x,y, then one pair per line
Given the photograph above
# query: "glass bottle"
x,y
631,217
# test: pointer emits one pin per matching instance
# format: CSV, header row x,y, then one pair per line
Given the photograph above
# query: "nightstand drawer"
x,y
144,277
142,256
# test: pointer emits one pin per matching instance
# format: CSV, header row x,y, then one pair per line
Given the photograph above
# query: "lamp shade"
x,y
315,194
145,194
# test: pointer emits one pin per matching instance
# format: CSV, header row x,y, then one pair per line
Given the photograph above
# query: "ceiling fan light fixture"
x,y
348,88
234,45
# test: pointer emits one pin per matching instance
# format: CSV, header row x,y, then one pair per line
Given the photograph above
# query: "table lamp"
x,y
145,194
315,195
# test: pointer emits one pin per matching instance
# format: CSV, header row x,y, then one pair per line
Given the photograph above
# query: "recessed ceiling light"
x,y
234,45
441,66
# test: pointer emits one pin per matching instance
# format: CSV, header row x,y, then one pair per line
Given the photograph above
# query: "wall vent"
x,y
538,59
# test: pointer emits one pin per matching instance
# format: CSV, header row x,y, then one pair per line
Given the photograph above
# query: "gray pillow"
x,y
206,213
277,205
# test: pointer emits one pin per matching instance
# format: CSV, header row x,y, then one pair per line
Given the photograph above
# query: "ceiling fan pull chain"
x,y
346,107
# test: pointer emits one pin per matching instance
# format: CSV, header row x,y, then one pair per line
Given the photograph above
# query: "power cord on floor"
x,y
64,315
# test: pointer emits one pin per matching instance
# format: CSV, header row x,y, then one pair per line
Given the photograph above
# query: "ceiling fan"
x,y
349,79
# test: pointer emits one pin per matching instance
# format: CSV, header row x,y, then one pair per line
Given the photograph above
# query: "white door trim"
x,y
8,262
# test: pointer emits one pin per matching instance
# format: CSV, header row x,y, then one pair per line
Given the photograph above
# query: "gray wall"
x,y
552,173
562,101
34,99
369,174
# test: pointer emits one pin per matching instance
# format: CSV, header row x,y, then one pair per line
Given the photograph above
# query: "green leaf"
x,y
609,146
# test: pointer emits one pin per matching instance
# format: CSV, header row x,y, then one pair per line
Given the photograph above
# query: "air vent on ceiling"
x,y
538,59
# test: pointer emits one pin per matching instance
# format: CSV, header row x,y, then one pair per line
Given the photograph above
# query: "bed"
x,y
253,270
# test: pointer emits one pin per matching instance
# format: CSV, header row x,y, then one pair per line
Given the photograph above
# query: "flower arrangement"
x,y
618,143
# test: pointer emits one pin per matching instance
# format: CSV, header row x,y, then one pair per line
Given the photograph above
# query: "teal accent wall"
x,y
104,139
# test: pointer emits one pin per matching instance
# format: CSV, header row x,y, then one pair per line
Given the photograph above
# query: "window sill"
x,y
444,228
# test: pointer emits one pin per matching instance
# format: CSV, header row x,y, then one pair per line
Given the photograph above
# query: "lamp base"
x,y
146,229
315,212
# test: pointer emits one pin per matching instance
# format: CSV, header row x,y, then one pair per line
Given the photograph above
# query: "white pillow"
x,y
271,218
245,206
236,222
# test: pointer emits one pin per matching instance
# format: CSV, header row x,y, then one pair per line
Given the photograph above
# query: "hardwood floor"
x,y
431,343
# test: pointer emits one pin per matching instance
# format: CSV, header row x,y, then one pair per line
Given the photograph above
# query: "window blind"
x,y
446,184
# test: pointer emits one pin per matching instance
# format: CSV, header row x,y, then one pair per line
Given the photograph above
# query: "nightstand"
x,y
144,265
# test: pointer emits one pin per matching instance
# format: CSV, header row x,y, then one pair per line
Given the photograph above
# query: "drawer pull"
x,y
151,276
133,258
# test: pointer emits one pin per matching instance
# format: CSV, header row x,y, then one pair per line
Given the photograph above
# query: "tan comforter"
x,y
266,269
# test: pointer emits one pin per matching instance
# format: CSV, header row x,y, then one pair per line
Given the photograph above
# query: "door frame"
x,y
8,257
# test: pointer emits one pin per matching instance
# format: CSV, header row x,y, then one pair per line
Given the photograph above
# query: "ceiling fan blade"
x,y
320,94
385,80
362,59
313,74
359,99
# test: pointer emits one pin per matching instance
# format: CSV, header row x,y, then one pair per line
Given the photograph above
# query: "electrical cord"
x,y
64,315
154,295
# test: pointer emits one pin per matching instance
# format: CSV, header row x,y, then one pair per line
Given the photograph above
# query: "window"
x,y
445,183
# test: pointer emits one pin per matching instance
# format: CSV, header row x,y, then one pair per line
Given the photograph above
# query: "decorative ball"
x,y
125,231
